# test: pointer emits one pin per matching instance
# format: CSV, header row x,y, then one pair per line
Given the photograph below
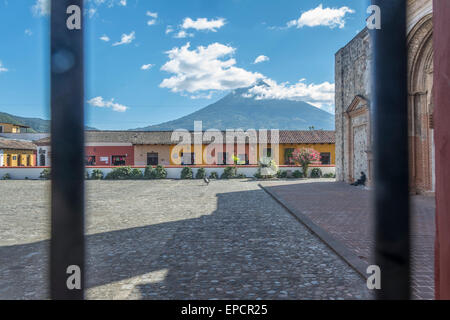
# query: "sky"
x,y
153,61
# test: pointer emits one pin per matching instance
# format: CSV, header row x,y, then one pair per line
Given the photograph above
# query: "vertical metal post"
x,y
389,106
67,143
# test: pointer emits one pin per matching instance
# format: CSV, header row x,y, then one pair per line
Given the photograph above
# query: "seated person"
x,y
361,181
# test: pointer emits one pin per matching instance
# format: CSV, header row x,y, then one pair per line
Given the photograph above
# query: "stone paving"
x,y
345,212
174,240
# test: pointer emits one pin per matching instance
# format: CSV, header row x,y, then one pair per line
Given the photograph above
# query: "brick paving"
x,y
345,212
174,240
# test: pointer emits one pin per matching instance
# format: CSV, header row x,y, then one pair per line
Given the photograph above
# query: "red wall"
x,y
108,151
441,43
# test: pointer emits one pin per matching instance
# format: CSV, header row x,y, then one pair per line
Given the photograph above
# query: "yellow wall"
x,y
10,128
17,157
318,147
176,160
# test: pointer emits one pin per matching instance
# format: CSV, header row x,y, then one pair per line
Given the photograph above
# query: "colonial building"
x,y
119,148
352,100
7,127
17,153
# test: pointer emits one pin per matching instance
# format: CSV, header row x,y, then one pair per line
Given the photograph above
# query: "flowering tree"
x,y
304,157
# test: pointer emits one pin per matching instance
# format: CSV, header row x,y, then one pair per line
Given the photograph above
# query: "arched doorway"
x,y
420,106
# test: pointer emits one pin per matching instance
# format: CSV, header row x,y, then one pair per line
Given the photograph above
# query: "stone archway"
x,y
420,106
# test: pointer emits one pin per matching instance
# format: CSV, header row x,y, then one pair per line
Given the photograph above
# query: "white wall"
x,y
172,173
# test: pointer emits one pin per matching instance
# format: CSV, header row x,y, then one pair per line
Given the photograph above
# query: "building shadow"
x,y
234,253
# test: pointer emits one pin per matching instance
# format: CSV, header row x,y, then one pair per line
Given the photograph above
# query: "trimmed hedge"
x,y
201,173
186,173
316,173
228,173
297,174
214,175
45,174
119,173
97,174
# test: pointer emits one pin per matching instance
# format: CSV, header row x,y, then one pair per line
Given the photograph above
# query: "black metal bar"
x,y
67,132
389,106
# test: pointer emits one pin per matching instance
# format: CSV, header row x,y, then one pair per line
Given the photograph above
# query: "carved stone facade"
x,y
353,129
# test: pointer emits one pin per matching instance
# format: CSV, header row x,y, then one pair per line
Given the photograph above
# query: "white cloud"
x,y
329,17
203,24
104,38
28,32
41,8
182,34
92,12
320,95
260,59
99,102
125,39
154,16
123,3
169,29
2,68
146,66
205,68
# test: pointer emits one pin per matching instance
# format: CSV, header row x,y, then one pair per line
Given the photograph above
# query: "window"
x,y
325,158
187,158
152,159
267,152
1,129
243,159
118,160
42,160
222,157
288,155
90,161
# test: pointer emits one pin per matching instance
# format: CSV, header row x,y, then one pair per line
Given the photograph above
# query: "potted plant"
x,y
267,167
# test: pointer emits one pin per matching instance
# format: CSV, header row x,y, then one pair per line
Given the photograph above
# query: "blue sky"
x,y
154,61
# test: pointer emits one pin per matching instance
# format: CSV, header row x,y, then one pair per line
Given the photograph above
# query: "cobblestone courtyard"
x,y
174,240
345,212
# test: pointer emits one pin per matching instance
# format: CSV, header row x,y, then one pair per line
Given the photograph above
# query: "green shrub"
x,y
267,168
45,174
282,174
316,173
241,176
136,174
159,172
6,176
297,174
97,174
186,173
228,173
258,174
119,173
148,172
214,175
329,175
201,173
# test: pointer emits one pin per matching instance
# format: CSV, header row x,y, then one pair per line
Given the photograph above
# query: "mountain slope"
x,y
35,124
235,111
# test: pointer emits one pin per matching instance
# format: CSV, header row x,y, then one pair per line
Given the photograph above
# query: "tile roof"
x,y
165,137
16,144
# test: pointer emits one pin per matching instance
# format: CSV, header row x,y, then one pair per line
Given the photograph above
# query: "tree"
x,y
304,157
